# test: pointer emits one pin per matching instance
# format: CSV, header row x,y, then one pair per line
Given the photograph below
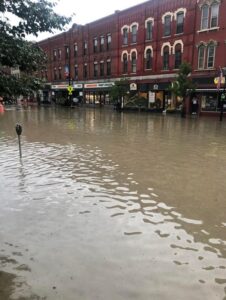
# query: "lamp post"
x,y
68,73
223,96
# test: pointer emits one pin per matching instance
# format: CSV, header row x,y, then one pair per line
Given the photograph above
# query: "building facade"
x,y
144,44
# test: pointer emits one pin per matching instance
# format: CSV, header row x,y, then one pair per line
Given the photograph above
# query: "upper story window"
x,y
178,56
211,55
201,56
214,15
101,43
180,22
148,59
166,58
149,29
85,47
95,43
108,41
108,67
209,16
59,54
134,33
76,72
60,73
125,63
54,55
85,71
205,17
206,55
95,69
55,74
167,25
125,33
101,68
67,52
75,50
134,62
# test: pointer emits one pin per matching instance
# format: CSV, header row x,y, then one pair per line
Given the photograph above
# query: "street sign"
x,y
70,90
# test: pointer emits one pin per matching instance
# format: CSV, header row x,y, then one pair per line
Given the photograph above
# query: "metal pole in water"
x,y
19,131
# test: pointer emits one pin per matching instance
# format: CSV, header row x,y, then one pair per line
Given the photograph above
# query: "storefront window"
x,y
209,102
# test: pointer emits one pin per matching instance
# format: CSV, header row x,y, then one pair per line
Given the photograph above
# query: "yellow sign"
x,y
216,80
70,90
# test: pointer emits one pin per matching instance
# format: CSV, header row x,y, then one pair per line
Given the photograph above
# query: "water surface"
x,y
112,206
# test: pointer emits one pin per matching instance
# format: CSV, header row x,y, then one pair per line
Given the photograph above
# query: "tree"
x,y
118,92
183,85
32,17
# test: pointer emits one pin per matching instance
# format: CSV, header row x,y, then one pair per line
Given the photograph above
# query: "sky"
x,y
86,11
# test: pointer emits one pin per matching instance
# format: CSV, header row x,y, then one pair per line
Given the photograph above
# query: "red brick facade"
x,y
144,43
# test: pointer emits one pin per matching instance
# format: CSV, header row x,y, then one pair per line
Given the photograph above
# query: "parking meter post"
x,y
19,131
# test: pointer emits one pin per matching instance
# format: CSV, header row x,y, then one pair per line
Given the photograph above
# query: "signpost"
x,y
19,131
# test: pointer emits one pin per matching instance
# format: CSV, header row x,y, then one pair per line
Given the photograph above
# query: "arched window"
x,y
134,62
214,15
205,17
149,27
134,33
180,22
166,58
211,55
178,56
125,63
167,25
125,36
201,57
148,59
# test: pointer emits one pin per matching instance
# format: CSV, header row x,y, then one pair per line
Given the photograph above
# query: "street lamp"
x,y
68,72
223,96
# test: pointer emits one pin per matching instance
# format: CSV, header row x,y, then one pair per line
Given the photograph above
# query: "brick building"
x,y
145,44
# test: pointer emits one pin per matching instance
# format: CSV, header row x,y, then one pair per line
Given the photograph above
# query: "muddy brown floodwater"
x,y
112,206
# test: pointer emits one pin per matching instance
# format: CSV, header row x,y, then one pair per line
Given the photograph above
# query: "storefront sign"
x,y
98,85
133,86
216,80
155,87
151,97
77,86
59,87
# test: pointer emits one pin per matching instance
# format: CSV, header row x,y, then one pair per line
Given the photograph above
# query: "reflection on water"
x,y
112,206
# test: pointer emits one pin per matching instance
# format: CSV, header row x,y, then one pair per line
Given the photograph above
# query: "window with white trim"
x,y
167,25
180,22
204,17
125,63
149,28
214,9
95,69
148,59
125,36
102,43
108,67
134,62
211,55
134,33
166,58
178,56
201,57
101,68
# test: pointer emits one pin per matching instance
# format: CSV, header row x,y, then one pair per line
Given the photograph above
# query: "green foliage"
x,y
33,17
183,84
119,90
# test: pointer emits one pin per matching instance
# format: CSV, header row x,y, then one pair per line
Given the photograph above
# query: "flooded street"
x,y
112,206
